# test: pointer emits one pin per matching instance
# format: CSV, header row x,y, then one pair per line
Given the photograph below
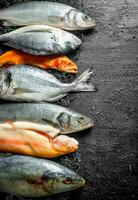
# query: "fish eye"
x,y
2,23
69,147
86,18
68,44
67,181
81,119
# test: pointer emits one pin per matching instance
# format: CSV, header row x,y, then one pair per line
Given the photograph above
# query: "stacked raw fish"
x,y
34,127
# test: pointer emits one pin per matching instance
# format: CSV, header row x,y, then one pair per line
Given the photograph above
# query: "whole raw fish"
x,y
58,62
49,13
35,140
65,119
35,177
41,40
29,84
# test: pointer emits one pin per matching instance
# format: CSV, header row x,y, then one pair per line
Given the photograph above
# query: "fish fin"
x,y
21,91
5,43
37,182
31,28
80,84
37,31
45,130
57,97
9,122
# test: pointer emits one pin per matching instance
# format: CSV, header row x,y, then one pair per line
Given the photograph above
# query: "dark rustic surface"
x,y
108,151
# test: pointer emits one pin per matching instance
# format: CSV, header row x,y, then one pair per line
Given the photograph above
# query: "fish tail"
x,y
81,84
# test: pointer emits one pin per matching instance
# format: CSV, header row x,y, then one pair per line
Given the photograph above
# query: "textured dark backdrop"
x,y
108,151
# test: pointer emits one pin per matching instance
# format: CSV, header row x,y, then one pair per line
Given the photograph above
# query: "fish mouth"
x,y
76,143
77,43
67,70
90,25
82,182
73,71
79,182
67,131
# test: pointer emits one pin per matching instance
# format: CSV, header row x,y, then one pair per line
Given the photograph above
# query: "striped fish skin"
x,y
34,177
41,40
28,84
48,13
67,120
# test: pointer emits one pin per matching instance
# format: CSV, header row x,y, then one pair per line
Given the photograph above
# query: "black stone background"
x,y
108,151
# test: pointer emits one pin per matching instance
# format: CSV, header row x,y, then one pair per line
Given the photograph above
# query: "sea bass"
x,y
41,40
29,84
35,140
65,119
35,177
58,62
48,13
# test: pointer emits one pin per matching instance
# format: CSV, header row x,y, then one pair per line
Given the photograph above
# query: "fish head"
x,y
62,180
67,65
79,20
73,122
5,80
70,42
65,144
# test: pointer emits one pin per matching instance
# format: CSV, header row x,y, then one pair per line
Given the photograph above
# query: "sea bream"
x,y
48,13
41,40
35,139
28,84
67,120
58,62
35,177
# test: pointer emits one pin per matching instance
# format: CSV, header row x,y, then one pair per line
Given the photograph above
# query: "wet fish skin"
x,y
29,84
34,139
58,62
41,40
67,120
49,13
34,177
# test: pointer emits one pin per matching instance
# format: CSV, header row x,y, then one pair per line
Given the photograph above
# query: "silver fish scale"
x,y
59,10
31,43
34,85
34,12
40,82
71,161
39,112
24,111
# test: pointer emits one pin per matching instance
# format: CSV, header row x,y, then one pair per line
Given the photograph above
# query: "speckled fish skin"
x,y
34,177
41,40
49,13
28,84
67,120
